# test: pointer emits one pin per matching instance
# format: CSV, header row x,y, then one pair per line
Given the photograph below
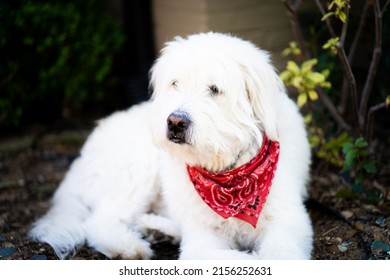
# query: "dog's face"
x,y
212,99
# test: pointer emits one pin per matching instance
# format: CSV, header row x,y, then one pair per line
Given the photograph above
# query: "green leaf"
x,y
350,157
347,147
302,99
357,187
361,143
369,166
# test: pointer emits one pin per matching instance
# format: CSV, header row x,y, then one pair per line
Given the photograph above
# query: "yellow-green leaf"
x,y
342,16
297,82
308,64
387,101
312,95
325,84
326,16
325,73
286,52
315,77
293,67
285,75
308,118
302,99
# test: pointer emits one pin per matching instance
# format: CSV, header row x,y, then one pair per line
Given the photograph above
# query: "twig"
x,y
292,12
327,21
351,56
370,117
385,7
377,52
351,82
359,32
345,64
332,109
345,28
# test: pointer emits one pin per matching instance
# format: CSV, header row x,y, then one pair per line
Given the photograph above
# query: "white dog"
x,y
218,160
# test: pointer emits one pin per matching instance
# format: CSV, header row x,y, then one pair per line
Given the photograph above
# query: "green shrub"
x,y
53,53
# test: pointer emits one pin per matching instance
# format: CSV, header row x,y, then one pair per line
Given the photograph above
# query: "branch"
x,y
377,52
332,109
351,82
328,23
359,32
370,116
351,56
292,9
345,28
385,7
344,62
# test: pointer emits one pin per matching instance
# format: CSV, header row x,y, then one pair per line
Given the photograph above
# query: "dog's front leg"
x,y
287,235
200,243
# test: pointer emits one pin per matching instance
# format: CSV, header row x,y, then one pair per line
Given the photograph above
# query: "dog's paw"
x,y
157,228
139,251
128,245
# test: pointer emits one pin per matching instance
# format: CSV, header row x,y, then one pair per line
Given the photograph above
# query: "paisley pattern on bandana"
x,y
242,191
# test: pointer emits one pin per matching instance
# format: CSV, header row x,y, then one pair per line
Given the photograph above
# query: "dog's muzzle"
x,y
178,124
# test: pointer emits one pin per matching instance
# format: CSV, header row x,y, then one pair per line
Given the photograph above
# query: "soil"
x,y
347,225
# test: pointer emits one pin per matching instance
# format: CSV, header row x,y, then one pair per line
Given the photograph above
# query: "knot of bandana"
x,y
242,191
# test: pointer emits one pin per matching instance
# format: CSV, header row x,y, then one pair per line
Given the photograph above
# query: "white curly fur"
x,y
131,181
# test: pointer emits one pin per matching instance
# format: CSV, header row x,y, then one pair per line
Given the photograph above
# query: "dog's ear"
x,y
264,89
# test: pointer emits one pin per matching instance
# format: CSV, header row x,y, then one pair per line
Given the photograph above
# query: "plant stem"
x,y
328,23
370,116
292,9
345,65
351,56
377,52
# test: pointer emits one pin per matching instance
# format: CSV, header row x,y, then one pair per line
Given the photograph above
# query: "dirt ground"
x,y
346,225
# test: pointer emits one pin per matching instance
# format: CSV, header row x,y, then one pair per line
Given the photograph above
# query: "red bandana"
x,y
240,192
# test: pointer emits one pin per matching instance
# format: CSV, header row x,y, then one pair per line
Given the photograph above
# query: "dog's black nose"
x,y
177,126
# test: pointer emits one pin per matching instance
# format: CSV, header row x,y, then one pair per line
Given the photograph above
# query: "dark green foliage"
x,y
53,52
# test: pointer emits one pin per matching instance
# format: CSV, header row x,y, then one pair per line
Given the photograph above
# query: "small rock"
x,y
347,214
7,251
39,257
332,249
380,221
342,248
359,225
350,233
338,239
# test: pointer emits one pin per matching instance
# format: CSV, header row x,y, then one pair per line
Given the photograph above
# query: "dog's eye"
x,y
214,90
174,83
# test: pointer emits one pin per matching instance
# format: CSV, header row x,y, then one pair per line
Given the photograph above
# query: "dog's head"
x,y
214,96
